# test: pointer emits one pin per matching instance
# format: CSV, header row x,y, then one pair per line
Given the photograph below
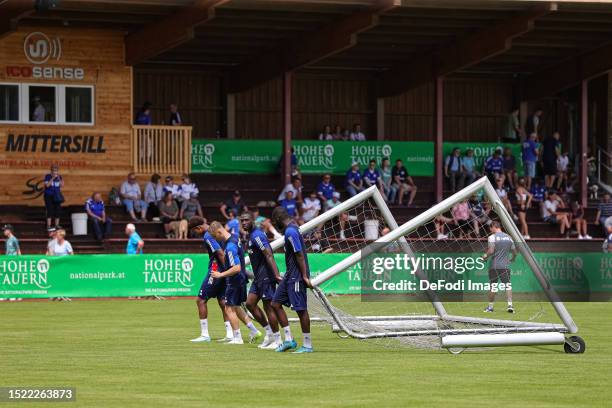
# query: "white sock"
x,y
268,330
228,330
237,335
204,327
491,305
288,336
509,304
307,340
277,337
252,327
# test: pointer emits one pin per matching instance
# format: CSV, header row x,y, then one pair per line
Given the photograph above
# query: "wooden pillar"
x,y
584,140
231,116
287,88
439,138
380,118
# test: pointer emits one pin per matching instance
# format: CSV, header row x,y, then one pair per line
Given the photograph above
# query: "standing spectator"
x,y
502,193
530,157
295,170
191,207
102,225
533,124
235,203
143,117
135,243
169,212
295,187
12,243
562,167
357,135
513,127
579,221
131,196
186,189
552,216
326,134
311,207
289,204
403,183
39,113
175,189
494,166
523,201
550,153
453,167
469,167
154,192
604,212
371,177
538,191
389,189
53,196
52,232
353,183
510,168
325,190
61,247
340,134
175,116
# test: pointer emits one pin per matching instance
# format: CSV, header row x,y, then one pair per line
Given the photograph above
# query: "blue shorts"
x,y
292,294
235,295
212,288
264,290
530,169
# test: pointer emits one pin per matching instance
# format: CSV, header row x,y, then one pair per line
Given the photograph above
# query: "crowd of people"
x,y
342,134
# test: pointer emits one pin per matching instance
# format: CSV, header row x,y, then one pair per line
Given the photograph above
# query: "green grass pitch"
x,y
137,353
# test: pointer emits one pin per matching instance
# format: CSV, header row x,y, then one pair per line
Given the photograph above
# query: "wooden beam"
x,y
309,48
11,11
568,73
461,54
170,32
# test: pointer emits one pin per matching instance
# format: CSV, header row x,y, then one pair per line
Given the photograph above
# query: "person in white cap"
x,y
135,243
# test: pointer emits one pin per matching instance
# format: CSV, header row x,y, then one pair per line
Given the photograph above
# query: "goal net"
x,y
390,272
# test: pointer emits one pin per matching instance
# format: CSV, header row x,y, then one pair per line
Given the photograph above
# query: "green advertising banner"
x,y
181,274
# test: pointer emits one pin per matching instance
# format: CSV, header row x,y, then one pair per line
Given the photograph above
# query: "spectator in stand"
x,y
289,204
469,167
453,170
131,196
53,196
353,183
235,203
604,212
538,191
479,213
494,166
550,154
343,218
175,189
551,214
135,244
311,207
513,127
440,223
533,124
143,117
52,232
61,247
403,182
510,168
326,134
607,244
102,225
186,189
530,157
175,116
191,207
461,218
325,190
39,112
389,189
502,193
339,134
265,224
154,192
295,170
523,201
371,177
579,220
169,212
357,135
233,225
295,187
562,168
12,243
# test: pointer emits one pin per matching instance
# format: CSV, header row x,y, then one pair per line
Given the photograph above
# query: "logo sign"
x,y
39,48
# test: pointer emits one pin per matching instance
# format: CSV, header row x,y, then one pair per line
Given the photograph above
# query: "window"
x,y
9,103
42,103
78,103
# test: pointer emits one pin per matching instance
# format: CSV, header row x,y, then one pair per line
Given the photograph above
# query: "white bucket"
x,y
371,230
79,223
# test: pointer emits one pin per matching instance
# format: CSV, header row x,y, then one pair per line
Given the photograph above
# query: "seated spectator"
x,y
175,116
316,243
143,117
371,177
233,225
311,207
325,190
339,134
469,167
453,167
170,187
493,166
389,189
343,218
403,183
295,187
538,191
265,224
357,135
523,201
52,233
60,246
502,193
131,196
326,134
551,214
510,168
604,212
12,243
579,221
440,223
187,188
562,168
479,212
235,204
607,244
154,192
354,183
530,157
461,218
102,225
169,213
191,207
289,204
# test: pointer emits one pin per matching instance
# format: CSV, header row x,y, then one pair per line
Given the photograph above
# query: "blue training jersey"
x,y
294,243
212,246
258,242
132,244
234,256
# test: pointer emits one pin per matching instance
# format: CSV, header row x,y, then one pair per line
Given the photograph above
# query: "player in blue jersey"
x,y
264,284
234,273
291,291
211,288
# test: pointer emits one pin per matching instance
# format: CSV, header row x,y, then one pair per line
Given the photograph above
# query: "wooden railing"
x,y
161,149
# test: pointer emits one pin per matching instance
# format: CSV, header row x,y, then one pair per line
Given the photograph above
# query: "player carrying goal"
x,y
502,251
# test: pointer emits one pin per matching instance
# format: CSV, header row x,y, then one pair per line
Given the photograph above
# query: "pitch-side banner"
x,y
182,274
316,157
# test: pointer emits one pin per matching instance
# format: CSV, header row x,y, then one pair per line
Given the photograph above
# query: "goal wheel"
x,y
574,345
456,350
342,335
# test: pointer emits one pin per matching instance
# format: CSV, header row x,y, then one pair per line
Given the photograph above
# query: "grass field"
x,y
137,353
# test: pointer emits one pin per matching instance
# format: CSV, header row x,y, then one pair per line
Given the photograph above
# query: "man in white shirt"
x,y
552,216
132,198
356,134
295,187
311,207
